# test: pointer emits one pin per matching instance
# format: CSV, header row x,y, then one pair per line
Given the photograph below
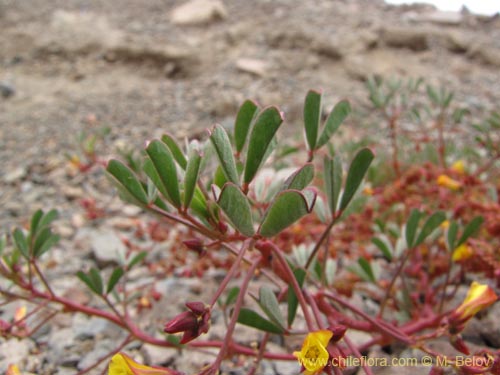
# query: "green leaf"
x,y
191,177
3,241
264,129
35,220
451,236
357,171
47,244
300,178
336,117
232,295
175,150
155,183
433,95
430,225
270,305
242,124
367,269
222,146
252,319
137,259
163,162
288,207
470,229
93,280
199,204
411,227
333,181
46,220
96,278
114,278
128,181
312,117
237,208
87,280
40,239
21,243
293,302
219,177
383,246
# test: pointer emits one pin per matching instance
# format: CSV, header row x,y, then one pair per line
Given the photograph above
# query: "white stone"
x,y
196,12
253,66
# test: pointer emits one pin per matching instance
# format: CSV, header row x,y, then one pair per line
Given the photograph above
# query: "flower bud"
x,y
193,323
185,321
196,245
448,182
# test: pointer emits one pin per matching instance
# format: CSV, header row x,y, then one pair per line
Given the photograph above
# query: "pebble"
x,y
107,247
101,348
15,175
198,12
415,39
13,351
7,90
253,66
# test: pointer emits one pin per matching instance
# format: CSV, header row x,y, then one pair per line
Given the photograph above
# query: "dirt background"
x,y
144,68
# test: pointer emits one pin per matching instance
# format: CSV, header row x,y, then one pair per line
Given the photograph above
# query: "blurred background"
x,y
73,72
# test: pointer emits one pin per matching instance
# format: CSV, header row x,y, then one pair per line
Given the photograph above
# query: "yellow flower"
x,y
445,224
314,356
463,252
13,370
458,167
448,182
479,297
20,314
368,191
122,364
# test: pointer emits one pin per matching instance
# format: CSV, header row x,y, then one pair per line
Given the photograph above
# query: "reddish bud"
x,y
222,227
197,307
193,323
185,321
196,245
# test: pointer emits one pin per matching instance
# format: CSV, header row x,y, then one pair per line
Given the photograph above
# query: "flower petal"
x,y
122,364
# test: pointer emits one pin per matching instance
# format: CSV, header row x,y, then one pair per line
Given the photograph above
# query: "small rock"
x,y
72,192
13,351
7,90
442,18
489,329
458,42
196,12
60,340
79,32
102,348
130,210
403,37
85,328
155,354
253,66
14,175
107,247
487,54
78,220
